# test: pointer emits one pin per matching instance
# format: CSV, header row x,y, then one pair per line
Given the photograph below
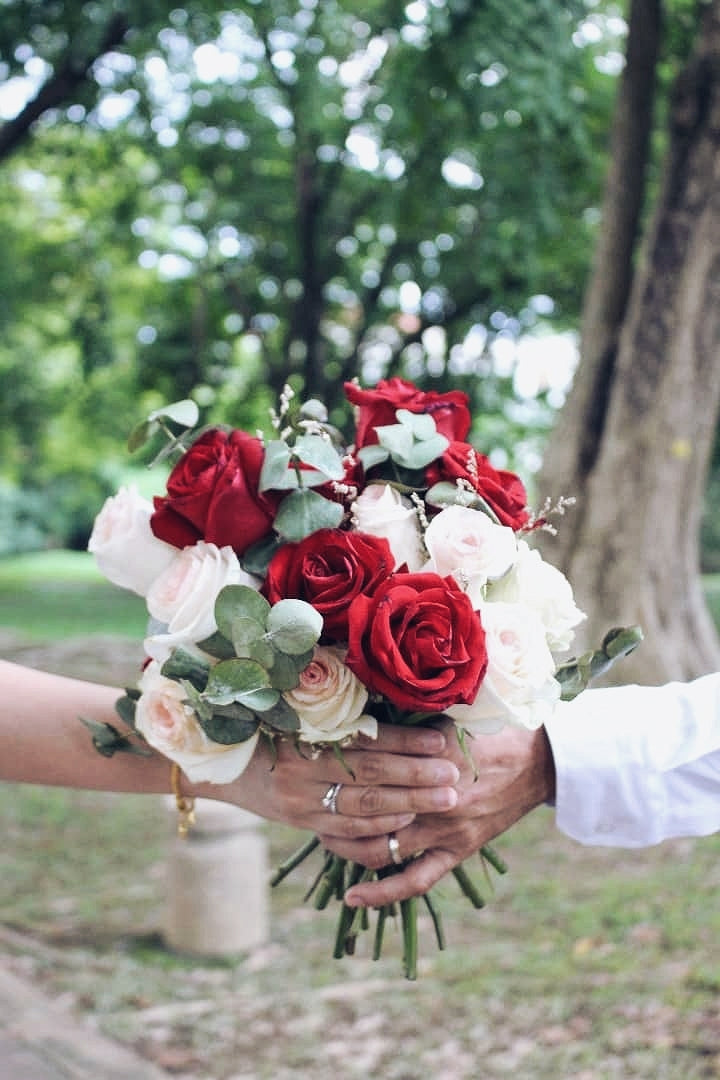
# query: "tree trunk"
x,y
572,451
635,534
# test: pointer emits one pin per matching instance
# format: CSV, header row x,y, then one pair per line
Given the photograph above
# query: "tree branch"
x,y
59,87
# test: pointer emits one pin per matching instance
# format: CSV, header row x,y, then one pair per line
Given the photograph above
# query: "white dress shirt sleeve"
x,y
638,764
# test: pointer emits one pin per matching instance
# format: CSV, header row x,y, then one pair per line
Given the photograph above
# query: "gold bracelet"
x,y
185,803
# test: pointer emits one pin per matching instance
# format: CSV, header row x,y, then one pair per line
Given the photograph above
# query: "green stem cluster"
x,y
337,875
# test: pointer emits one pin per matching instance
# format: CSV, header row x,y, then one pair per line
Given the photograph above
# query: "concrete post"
x,y
217,882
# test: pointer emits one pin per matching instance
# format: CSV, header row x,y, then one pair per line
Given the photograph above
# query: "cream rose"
x,y
169,725
519,686
182,599
544,588
330,699
470,547
382,511
124,547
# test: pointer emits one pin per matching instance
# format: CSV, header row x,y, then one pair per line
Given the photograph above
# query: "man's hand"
x,y
513,773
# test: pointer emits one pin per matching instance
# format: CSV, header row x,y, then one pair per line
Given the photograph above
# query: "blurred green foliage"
x,y
214,198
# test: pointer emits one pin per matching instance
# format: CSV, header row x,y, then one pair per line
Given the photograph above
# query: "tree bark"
x,y
635,554
572,450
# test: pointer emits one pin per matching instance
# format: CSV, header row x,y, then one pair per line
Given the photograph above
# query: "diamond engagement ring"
x,y
394,849
330,798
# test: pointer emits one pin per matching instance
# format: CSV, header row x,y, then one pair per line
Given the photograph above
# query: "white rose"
x,y
330,699
169,724
470,547
182,599
519,686
126,550
544,588
381,510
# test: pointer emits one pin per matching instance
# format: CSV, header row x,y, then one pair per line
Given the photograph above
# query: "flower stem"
x,y
436,919
408,911
295,859
494,859
468,886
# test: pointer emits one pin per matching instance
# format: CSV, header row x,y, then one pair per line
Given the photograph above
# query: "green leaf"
x,y
230,725
372,455
233,680
422,453
141,434
304,512
421,425
256,559
276,473
185,413
285,671
239,602
575,674
397,439
182,664
294,626
217,646
281,718
246,633
319,453
125,707
107,740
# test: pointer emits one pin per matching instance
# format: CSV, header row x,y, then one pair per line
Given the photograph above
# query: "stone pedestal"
x,y
217,882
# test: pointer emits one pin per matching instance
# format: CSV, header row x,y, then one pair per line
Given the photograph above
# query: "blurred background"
x,y
517,198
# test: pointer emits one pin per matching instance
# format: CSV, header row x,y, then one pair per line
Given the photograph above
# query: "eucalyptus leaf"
x,y
182,664
141,434
183,412
228,728
217,646
422,453
294,626
246,633
372,455
125,708
304,512
281,718
276,473
239,602
233,680
260,700
421,425
397,439
107,740
575,675
319,452
284,672
256,559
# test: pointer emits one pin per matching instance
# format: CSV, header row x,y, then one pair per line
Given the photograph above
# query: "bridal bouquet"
x,y
302,588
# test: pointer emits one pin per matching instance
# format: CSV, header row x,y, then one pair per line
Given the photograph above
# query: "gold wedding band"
x,y
330,798
394,849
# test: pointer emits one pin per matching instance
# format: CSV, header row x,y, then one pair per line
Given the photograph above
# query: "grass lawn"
x,y
51,595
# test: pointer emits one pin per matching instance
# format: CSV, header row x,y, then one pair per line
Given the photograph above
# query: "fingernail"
x,y
444,798
446,773
433,741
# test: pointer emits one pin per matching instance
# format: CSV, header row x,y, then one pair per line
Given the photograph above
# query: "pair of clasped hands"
x,y
410,797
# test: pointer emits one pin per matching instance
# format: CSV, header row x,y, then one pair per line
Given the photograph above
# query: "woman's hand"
x,y
383,785
515,773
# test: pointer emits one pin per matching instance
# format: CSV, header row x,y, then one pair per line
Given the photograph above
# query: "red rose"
x,y
503,491
329,569
417,641
212,494
377,408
